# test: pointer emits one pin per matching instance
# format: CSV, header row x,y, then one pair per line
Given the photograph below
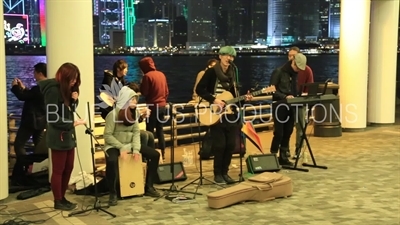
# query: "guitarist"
x,y
285,81
221,77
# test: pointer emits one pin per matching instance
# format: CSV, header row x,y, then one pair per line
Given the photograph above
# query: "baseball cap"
x,y
227,50
300,60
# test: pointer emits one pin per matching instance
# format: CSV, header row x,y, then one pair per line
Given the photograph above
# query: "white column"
x,y
3,119
70,39
353,63
383,61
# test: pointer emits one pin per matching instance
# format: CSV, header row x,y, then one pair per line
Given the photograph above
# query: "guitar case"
x,y
262,187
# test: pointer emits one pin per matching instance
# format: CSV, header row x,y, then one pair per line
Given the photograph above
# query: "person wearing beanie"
x,y
284,79
220,78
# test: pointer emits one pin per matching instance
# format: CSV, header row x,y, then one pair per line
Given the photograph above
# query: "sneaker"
x,y
113,200
60,205
228,179
152,192
64,200
219,179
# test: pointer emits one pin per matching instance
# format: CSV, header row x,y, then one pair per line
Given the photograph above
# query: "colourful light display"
x,y
16,29
130,20
42,20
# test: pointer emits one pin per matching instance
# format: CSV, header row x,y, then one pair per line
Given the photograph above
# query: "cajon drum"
x,y
131,177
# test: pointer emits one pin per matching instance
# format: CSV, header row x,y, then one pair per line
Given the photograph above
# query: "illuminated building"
x,y
16,29
200,18
292,21
140,33
129,22
159,32
179,38
111,18
324,19
31,9
334,19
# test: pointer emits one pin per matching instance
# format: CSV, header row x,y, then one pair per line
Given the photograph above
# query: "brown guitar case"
x,y
263,187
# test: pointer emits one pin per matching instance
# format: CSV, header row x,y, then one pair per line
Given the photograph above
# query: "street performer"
x,y
220,78
285,81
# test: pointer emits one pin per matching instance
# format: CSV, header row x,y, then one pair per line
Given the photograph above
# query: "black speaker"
x,y
262,163
164,173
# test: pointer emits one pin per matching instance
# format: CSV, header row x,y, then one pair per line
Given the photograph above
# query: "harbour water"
x,y
181,72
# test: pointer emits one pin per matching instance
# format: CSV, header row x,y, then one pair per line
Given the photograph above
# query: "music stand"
x,y
97,205
201,177
173,188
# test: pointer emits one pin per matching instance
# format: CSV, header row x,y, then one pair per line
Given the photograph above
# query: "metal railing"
x,y
185,125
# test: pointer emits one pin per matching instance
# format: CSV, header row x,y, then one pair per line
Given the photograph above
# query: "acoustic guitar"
x,y
209,114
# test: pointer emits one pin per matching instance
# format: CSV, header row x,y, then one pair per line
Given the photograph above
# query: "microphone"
x,y
73,103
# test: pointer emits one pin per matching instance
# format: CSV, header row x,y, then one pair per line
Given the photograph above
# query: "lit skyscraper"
x,y
278,21
291,21
200,17
334,19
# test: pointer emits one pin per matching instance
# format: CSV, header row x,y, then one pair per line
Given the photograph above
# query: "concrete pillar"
x,y
70,39
353,63
3,119
383,61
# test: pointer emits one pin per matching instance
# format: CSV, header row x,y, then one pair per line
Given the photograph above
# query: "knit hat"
x,y
227,50
300,60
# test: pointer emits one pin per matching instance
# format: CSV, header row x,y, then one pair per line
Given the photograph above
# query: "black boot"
x,y
64,200
283,157
228,179
60,205
113,199
151,192
219,179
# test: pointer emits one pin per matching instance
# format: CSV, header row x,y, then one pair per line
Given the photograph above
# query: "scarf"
x,y
226,80
127,116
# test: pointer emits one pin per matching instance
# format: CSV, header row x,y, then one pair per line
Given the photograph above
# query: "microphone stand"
x,y
97,205
200,179
173,188
237,92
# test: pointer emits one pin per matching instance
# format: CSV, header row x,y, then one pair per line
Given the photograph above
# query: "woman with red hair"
x,y
61,97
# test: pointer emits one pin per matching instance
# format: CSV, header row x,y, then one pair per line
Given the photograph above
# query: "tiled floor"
x,y
360,186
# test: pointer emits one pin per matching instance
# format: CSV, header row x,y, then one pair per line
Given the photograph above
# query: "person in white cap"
x,y
285,81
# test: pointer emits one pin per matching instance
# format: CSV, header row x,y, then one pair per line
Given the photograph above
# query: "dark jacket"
x,y
206,86
60,118
34,111
206,90
285,80
107,80
154,85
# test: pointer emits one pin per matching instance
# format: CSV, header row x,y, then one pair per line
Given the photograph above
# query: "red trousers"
x,y
63,164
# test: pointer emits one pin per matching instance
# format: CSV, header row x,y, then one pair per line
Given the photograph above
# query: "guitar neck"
x,y
243,97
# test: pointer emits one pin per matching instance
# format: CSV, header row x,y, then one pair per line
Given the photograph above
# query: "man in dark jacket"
x,y
285,81
33,119
154,88
222,77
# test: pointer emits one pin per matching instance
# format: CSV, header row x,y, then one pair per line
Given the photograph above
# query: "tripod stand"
x,y
97,206
173,188
201,177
